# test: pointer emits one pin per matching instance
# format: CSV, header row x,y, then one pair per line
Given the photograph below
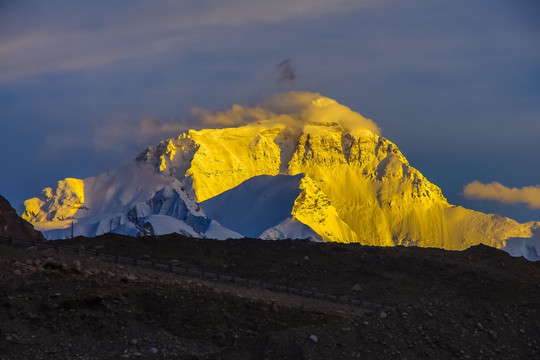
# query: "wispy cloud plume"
x,y
286,72
294,109
118,133
495,191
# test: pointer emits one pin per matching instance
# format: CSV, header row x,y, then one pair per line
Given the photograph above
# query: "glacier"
x,y
300,165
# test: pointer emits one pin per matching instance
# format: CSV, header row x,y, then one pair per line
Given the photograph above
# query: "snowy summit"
x,y
299,165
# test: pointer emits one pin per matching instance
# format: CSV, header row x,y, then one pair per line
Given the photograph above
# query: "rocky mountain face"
x,y
13,226
337,177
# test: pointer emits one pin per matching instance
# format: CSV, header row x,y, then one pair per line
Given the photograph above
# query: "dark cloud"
x,y
38,40
286,72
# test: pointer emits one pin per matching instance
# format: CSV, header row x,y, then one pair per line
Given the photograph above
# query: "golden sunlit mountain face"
x,y
60,203
357,186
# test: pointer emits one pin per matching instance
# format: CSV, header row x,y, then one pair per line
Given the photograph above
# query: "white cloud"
x,y
529,195
293,109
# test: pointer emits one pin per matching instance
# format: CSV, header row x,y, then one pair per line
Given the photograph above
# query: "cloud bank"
x,y
529,195
292,109
72,38
118,133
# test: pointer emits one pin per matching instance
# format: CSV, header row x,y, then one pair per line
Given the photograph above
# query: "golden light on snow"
x,y
292,109
355,185
60,204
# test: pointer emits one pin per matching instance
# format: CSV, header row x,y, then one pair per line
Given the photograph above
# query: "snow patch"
x,y
219,232
529,248
255,205
290,228
163,224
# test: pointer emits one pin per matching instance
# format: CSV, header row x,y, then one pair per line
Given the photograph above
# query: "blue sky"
x,y
85,86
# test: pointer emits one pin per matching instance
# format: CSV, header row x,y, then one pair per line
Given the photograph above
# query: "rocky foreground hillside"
x,y
476,304
11,225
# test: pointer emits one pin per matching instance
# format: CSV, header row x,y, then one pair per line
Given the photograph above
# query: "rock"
x,y
493,334
52,264
128,277
314,338
153,351
357,288
383,315
306,258
17,272
76,266
137,354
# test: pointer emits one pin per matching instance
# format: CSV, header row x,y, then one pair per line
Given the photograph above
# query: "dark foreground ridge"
x,y
479,304
13,225
177,267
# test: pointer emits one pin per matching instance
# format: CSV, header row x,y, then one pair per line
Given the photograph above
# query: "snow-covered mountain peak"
x,y
324,168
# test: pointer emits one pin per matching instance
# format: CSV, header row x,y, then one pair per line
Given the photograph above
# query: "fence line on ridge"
x,y
197,272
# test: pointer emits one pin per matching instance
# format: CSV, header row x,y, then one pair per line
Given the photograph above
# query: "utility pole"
x,y
72,229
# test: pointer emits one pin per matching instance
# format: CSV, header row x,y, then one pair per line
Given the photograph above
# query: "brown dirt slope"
x,y
477,304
